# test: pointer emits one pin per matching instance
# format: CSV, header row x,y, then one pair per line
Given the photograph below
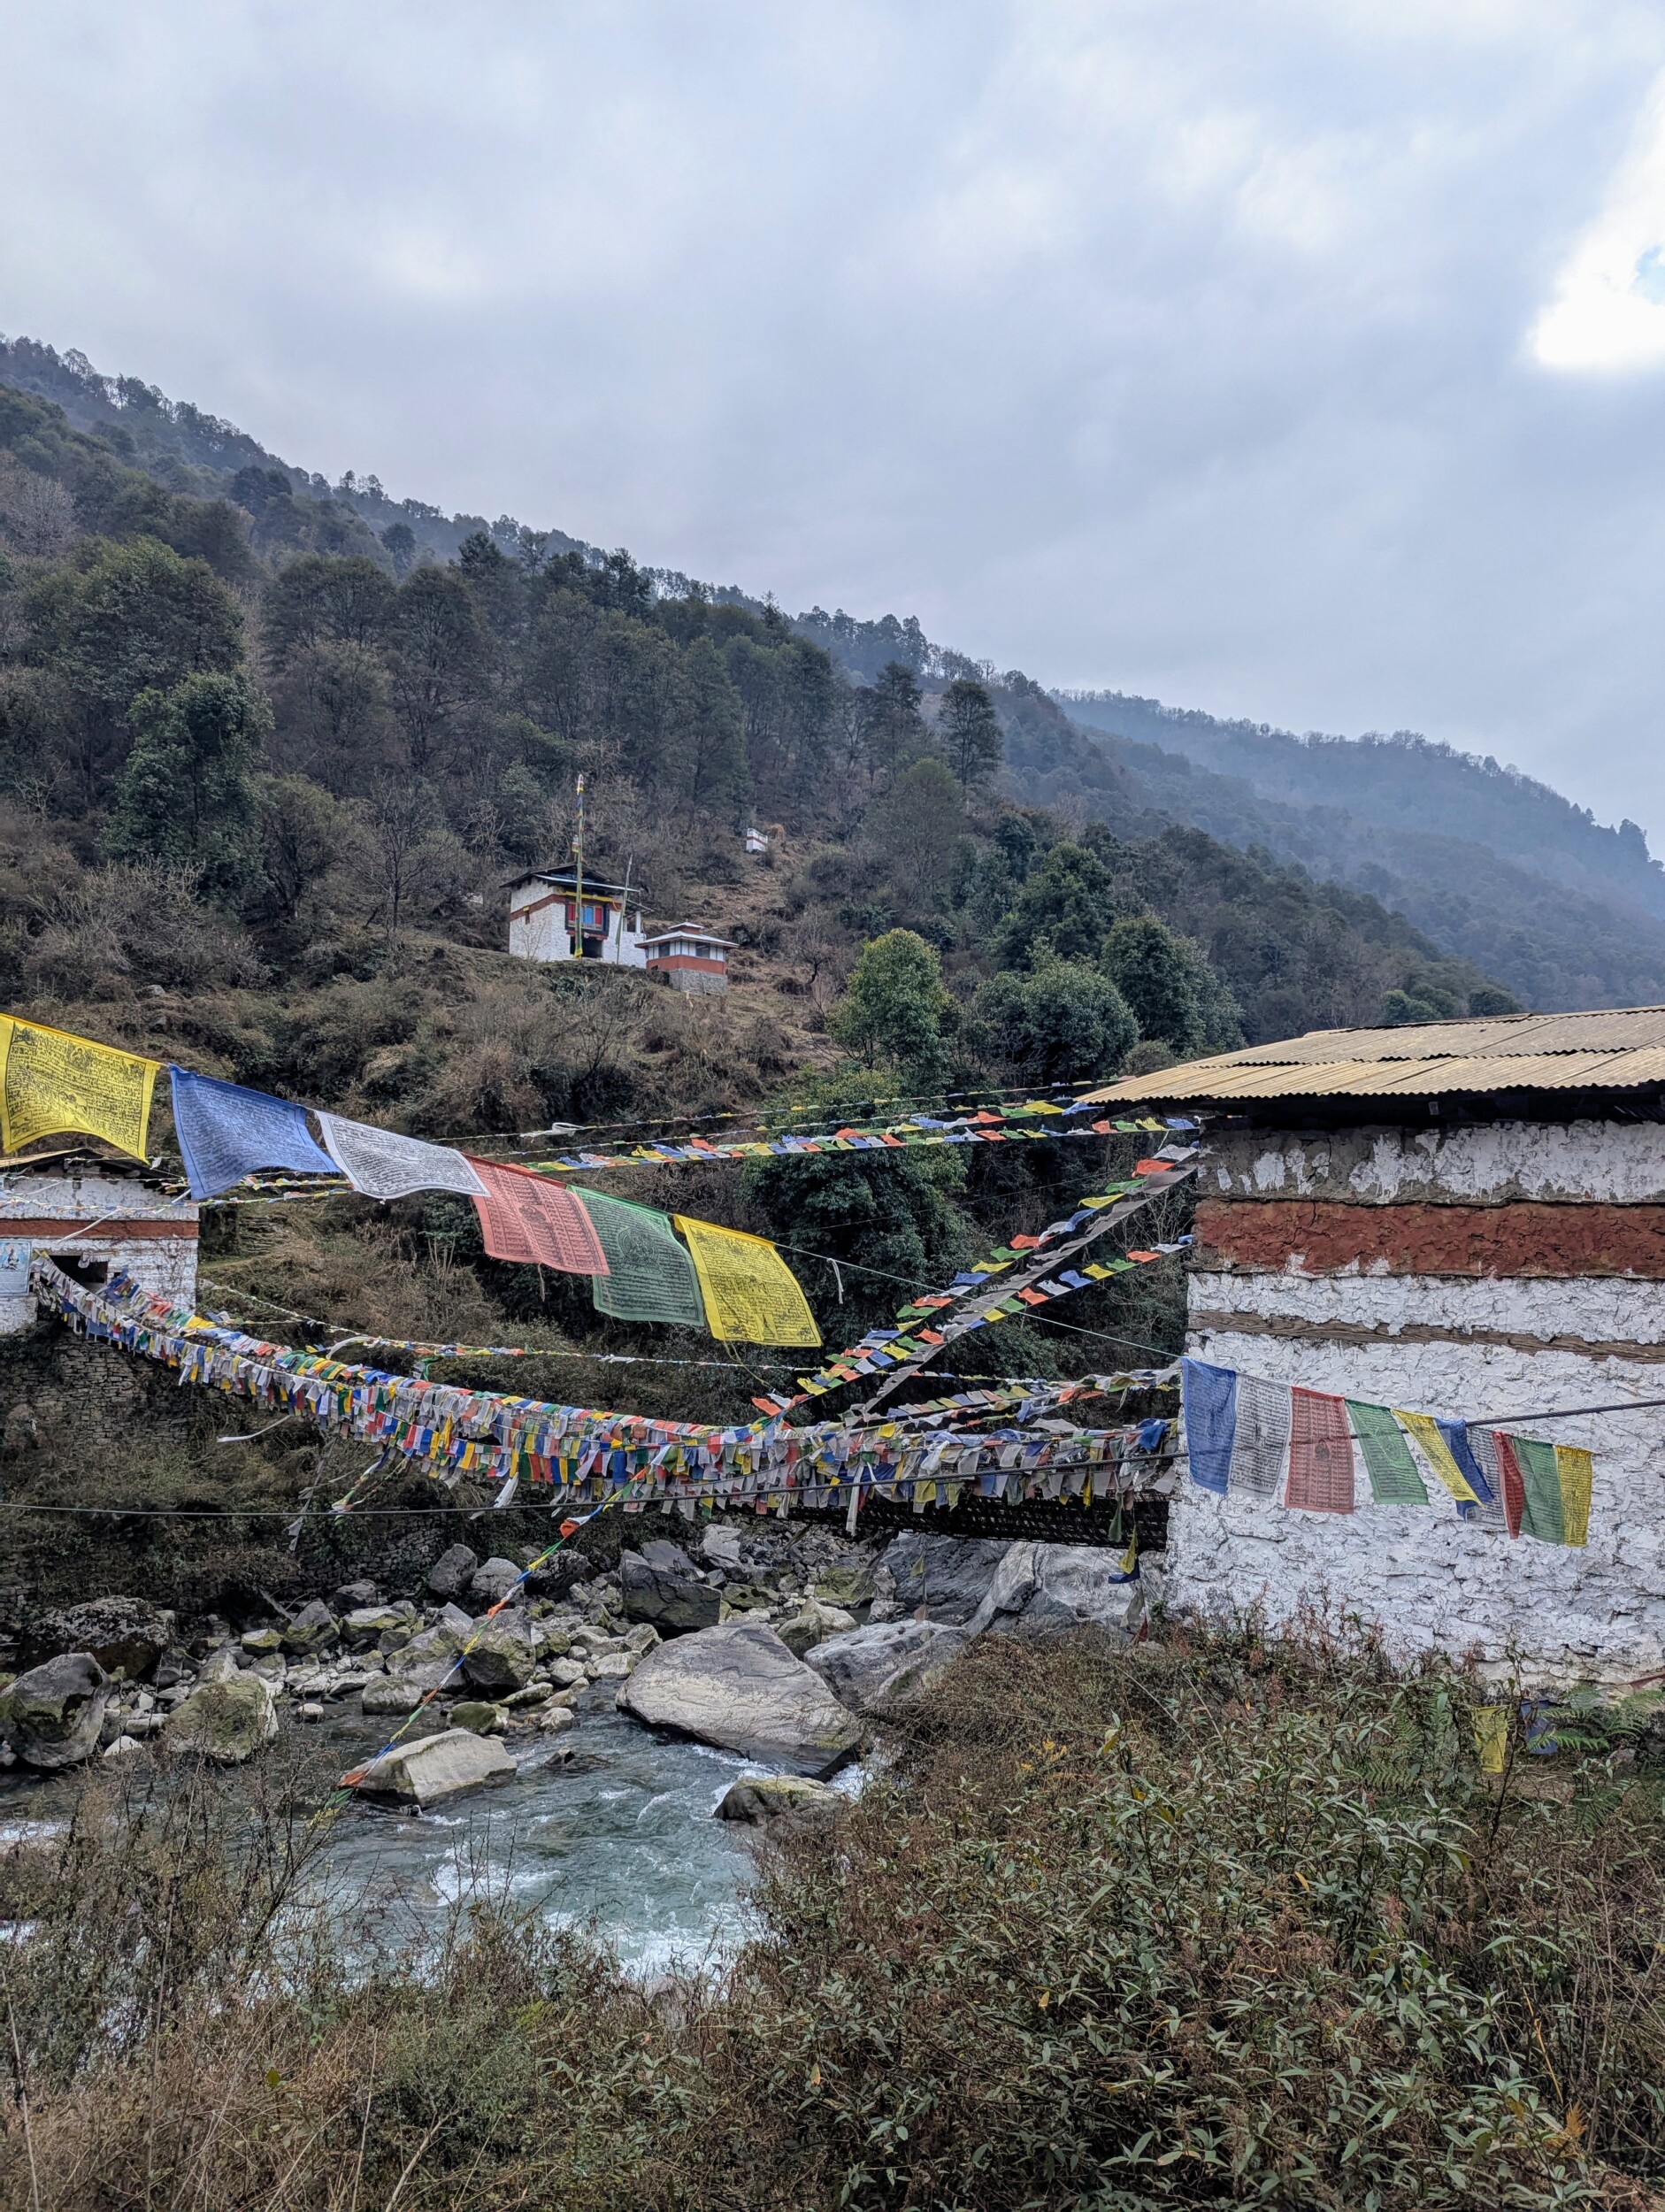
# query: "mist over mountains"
x,y
1490,865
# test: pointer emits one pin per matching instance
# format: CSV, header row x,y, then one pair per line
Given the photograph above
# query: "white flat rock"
x,y
434,1768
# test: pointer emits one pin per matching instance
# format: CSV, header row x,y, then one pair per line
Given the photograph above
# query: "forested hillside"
x,y
261,791
1379,816
1486,861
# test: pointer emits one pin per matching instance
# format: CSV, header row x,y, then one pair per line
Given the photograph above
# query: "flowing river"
x,y
618,1839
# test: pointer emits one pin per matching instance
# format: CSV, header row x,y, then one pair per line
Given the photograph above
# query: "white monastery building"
x,y
545,919
96,1219
1467,1219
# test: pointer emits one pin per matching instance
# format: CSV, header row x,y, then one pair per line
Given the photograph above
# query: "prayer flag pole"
x,y
577,896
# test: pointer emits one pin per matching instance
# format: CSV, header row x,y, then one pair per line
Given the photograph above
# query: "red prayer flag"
x,y
1320,1453
1513,1482
526,1216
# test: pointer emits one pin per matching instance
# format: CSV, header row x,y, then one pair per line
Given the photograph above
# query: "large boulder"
x,y
1049,1589
738,1686
501,1655
660,1585
227,1721
126,1636
452,1572
871,1669
949,1576
757,1798
314,1628
490,1584
436,1768
51,1715
427,1659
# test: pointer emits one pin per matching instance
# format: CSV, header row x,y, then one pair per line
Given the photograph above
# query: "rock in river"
x,y
227,1721
948,1576
502,1655
51,1715
738,1686
872,1668
758,1799
314,1629
660,1585
436,1768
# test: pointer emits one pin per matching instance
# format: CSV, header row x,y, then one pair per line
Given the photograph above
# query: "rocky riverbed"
x,y
580,1740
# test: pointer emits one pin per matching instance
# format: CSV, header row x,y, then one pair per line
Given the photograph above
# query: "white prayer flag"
x,y
383,1164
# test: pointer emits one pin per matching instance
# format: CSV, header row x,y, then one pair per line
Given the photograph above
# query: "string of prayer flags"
x,y
650,1277
751,1295
52,1081
525,1216
1279,1443
577,1455
381,1163
226,1132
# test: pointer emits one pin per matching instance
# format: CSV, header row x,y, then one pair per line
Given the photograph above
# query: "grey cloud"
x,y
1176,347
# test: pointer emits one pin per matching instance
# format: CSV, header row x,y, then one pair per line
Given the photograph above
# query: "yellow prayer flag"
x,y
1437,1452
53,1081
751,1295
1576,1469
1492,1736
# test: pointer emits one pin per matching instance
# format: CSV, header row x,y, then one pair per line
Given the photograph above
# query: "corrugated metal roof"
x,y
1617,1049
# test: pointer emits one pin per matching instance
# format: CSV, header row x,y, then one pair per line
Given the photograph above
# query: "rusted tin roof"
x,y
1619,1049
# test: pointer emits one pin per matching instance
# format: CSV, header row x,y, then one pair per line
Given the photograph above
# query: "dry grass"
x,y
1199,1927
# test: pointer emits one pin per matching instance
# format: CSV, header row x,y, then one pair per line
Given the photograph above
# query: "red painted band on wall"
x,y
1522,1238
44,1227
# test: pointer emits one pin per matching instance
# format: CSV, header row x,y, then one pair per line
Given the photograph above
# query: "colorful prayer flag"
x,y
650,1277
1575,1470
1210,1410
1260,1448
526,1217
226,1132
1387,1458
1320,1474
382,1164
1437,1452
53,1081
751,1295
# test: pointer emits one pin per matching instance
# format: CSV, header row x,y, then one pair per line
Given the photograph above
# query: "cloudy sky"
x,y
1301,358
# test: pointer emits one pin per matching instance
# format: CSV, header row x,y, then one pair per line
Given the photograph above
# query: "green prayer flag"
x,y
1393,1471
650,1277
1540,1479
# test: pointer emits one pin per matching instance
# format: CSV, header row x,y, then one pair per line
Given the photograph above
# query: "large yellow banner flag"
x,y
751,1295
52,1081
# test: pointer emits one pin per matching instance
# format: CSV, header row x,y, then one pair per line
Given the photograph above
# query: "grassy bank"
x,y
1188,1924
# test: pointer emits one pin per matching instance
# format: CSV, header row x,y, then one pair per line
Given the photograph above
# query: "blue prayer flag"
x,y
1210,1406
1456,1436
226,1132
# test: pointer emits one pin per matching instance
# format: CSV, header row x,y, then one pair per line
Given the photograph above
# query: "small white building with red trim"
x,y
688,958
551,914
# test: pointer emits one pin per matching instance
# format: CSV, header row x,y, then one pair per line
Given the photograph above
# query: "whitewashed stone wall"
x,y
87,1213
1420,1575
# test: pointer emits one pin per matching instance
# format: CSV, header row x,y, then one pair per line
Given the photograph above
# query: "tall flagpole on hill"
x,y
577,896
